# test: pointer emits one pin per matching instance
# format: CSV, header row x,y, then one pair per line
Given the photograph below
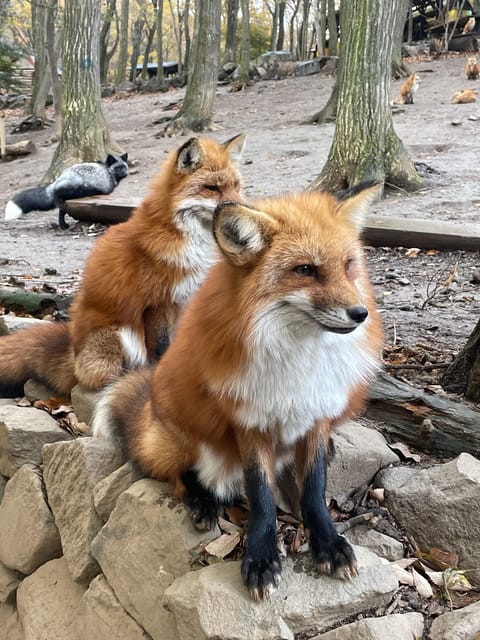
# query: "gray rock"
x,y
71,471
439,507
106,492
23,432
151,533
47,603
9,581
359,453
3,484
307,67
10,626
102,616
35,390
83,402
400,626
28,534
376,542
462,624
304,600
17,323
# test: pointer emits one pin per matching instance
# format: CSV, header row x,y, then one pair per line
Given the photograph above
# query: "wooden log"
x,y
429,423
19,300
379,232
17,149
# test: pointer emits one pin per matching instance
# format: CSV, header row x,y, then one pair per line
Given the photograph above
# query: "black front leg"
x,y
261,566
201,502
331,552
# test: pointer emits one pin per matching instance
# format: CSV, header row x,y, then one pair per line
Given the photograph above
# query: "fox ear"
x,y
190,156
110,160
242,233
354,203
235,146
124,157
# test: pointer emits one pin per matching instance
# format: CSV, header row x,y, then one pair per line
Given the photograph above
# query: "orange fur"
x,y
408,89
140,273
464,96
471,70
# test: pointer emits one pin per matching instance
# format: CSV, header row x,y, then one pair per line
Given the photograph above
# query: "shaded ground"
x,y
430,301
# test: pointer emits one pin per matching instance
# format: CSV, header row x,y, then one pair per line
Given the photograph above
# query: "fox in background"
x,y
275,349
78,181
137,279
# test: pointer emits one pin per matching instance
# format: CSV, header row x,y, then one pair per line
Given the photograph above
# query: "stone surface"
x,y
23,432
462,624
102,616
439,507
10,626
304,601
28,534
106,492
35,390
83,402
17,323
359,453
3,484
376,542
147,542
48,601
71,471
399,626
9,581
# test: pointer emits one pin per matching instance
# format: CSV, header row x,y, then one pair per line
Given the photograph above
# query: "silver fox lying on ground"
x,y
78,181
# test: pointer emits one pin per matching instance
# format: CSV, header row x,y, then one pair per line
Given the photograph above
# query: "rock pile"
x,y
90,551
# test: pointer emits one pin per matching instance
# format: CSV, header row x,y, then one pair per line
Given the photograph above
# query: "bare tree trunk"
x,y
293,45
148,47
399,69
303,34
159,41
137,38
52,63
463,375
123,44
106,54
244,75
37,101
197,109
281,25
85,135
365,145
319,34
274,32
186,29
332,29
231,32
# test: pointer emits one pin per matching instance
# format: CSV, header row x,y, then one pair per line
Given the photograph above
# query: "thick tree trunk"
x,y
463,375
105,53
137,37
85,136
274,31
365,145
123,44
281,25
332,29
231,31
399,69
244,71
39,38
52,64
197,109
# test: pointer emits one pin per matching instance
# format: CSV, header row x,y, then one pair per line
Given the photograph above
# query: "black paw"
x,y
261,576
335,557
204,514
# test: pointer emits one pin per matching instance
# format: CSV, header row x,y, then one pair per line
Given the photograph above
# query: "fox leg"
x,y
100,359
331,552
201,502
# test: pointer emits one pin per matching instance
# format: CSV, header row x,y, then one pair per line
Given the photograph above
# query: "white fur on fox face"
x,y
192,211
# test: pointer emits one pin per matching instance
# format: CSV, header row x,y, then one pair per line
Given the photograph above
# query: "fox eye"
x,y
212,187
306,270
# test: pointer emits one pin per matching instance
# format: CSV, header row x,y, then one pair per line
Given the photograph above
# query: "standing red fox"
x,y
137,278
275,349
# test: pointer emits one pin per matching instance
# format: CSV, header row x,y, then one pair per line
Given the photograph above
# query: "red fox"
x,y
276,348
464,96
471,70
408,89
136,281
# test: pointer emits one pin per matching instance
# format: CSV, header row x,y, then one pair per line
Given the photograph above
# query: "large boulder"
x,y
9,581
304,601
71,471
10,625
107,491
399,626
28,534
462,624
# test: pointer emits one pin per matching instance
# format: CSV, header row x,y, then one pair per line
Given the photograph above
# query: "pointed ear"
x,y
190,156
110,160
124,157
355,202
235,146
242,233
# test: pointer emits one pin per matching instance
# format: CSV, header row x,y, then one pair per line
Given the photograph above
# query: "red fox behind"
x,y
472,70
276,348
408,89
136,281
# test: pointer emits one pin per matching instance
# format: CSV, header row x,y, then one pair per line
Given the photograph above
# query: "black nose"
x,y
357,314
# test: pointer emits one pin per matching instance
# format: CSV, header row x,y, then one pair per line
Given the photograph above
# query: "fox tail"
x,y
34,199
43,352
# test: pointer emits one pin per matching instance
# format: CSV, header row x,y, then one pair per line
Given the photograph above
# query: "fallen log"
x,y
18,149
41,303
429,423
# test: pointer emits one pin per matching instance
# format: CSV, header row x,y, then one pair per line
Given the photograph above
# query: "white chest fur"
x,y
290,384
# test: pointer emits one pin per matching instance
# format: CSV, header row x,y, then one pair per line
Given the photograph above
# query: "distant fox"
x,y
464,96
78,181
471,70
408,90
275,349
137,279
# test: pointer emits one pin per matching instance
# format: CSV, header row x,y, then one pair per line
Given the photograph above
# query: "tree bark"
x,y
123,44
244,71
365,145
332,29
52,63
85,135
137,37
231,32
186,29
159,40
106,53
281,25
197,108
463,375
399,68
39,38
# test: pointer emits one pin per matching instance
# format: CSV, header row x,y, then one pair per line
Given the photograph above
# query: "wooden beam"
x,y
379,232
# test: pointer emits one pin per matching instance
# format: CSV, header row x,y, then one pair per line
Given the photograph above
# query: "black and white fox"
x,y
78,181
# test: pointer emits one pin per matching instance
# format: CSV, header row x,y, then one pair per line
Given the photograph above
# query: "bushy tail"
x,y
34,199
43,352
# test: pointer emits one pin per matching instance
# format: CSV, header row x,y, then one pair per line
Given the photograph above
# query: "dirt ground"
x,y
430,300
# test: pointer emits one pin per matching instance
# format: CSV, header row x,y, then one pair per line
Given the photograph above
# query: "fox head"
x,y
297,260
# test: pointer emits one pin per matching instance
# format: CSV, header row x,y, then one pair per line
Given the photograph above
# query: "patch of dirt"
x,y
430,301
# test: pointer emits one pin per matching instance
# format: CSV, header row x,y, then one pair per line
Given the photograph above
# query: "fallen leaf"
x,y
421,584
223,545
